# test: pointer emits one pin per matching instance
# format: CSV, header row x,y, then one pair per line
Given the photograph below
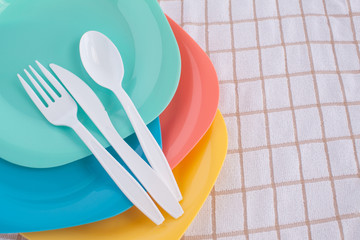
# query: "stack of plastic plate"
x,y
51,187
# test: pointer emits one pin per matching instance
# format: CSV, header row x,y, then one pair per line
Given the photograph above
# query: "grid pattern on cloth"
x,y
289,73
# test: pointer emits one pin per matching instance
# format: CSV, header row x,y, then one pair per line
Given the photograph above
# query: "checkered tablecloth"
x,y
289,73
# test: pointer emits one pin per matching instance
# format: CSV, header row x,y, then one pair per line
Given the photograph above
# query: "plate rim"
x,y
210,95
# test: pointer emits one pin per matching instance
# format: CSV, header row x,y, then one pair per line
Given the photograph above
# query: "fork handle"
x,y
152,150
127,184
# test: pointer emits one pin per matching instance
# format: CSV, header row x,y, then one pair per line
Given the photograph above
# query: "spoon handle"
x,y
148,143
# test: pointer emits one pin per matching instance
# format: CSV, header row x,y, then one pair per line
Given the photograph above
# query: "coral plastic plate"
x,y
193,109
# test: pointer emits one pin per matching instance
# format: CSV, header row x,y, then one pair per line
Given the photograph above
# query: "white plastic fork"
x,y
62,111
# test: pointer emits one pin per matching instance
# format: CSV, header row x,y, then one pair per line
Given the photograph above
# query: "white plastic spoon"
x,y
104,64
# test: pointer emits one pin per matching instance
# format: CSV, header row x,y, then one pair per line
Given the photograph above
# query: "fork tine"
x,y
45,85
38,88
32,94
52,79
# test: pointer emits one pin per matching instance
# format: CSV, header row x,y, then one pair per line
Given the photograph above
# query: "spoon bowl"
x,y
101,59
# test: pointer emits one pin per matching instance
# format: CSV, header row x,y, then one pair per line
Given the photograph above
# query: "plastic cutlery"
x,y
93,107
62,111
104,64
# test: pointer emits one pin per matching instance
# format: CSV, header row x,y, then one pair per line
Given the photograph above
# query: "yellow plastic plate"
x,y
196,176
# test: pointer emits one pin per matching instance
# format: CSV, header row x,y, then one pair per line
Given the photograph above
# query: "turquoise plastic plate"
x,y
50,31
77,193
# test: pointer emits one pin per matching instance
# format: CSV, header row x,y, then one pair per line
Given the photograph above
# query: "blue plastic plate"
x,y
74,194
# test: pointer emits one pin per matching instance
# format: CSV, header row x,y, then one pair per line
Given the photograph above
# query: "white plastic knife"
x,y
93,107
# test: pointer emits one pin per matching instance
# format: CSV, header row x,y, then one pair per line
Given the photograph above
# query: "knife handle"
x,y
148,143
147,176
127,184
